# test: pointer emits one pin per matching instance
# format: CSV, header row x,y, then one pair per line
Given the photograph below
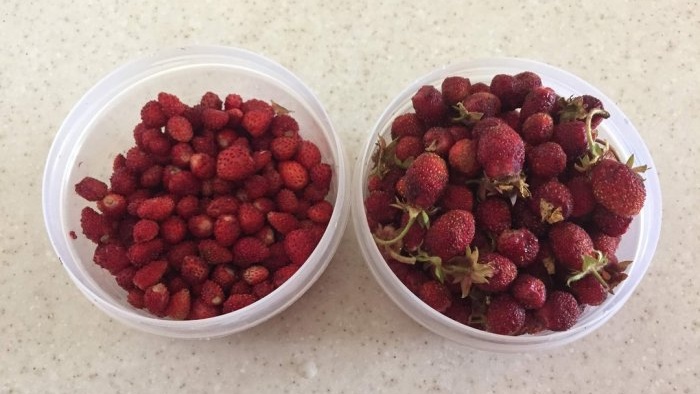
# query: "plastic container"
x,y
638,244
100,126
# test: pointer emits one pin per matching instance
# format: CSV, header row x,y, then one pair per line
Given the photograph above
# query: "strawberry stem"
x,y
591,265
413,214
595,150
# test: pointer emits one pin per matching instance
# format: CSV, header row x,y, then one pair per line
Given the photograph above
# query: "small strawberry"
x,y
284,148
248,251
156,298
177,253
407,124
429,105
294,175
238,301
570,243
171,104
142,253
283,124
552,201
559,312
462,157
457,197
151,177
202,166
527,81
283,274
250,219
408,148
211,100
546,160
529,291
179,129
222,205
505,315
156,208
211,293
262,289
194,270
200,310
618,187
232,100
282,222
455,89
213,252
179,305
155,142
450,234
112,257
145,230
187,207
226,230
176,283
224,275
588,290
255,274
520,246
582,194
438,140
113,205
572,138
256,122
135,298
320,212
97,228
426,180
299,244
506,88
605,244
610,223
200,226
308,154
493,215
214,119
150,274
91,189
485,103
537,128
540,99
436,295
501,152
502,275
234,164
152,114
123,182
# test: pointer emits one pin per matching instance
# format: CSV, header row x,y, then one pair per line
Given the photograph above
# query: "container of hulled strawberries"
x,y
196,192
506,204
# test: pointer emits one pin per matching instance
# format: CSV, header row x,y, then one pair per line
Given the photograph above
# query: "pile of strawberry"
x,y
499,206
215,206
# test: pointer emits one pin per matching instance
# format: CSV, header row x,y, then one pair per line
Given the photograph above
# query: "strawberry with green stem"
x,y
595,150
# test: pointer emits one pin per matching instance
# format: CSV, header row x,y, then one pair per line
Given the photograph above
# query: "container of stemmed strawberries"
x,y
506,204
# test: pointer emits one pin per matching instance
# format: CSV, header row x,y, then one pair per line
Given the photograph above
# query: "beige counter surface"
x,y
345,335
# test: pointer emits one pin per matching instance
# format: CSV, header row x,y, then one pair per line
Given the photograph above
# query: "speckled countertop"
x,y
345,335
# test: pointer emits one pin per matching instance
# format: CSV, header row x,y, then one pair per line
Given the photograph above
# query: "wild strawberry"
x,y
552,201
299,244
211,293
278,257
450,234
588,290
540,99
605,244
200,310
529,291
257,105
187,207
182,183
194,269
426,180
493,215
512,119
123,182
125,277
255,186
610,223
559,312
111,257
248,251
457,197
618,188
570,243
240,287
582,194
255,274
234,164
200,226
179,129
506,88
205,143
294,175
151,177
214,119
527,81
134,200
460,311
91,189
156,298
156,208
572,138
142,253
502,275
520,246
546,160
308,154
436,295
282,222
214,253
314,193
321,174
266,235
484,126
179,305
155,142
176,283
238,301
135,298
224,276
152,114
202,165
113,205
97,228
505,315
480,87
262,289
284,148
145,230
462,157
501,152
177,253
455,89
407,124
256,122
320,212
171,104
537,128
283,124
150,274
226,230
438,140
485,103
408,147
429,105
250,219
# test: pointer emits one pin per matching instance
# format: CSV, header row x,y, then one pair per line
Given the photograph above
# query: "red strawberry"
x,y
91,189
529,291
407,124
429,105
194,270
493,215
238,301
537,128
187,207
506,88
455,89
151,177
256,122
173,230
552,201
294,175
156,208
226,230
299,244
321,174
320,212
618,188
284,148
211,100
546,160
113,205
559,312
426,180
211,293
308,154
150,274
123,182
527,81
257,105
540,99
505,315
582,194
255,274
179,129
214,119
283,274
485,103
512,119
179,306
462,157
214,253
224,275
501,153
176,283
438,140
111,257
145,230
589,290
610,223
255,186
484,126
570,243
235,164
156,298
202,166
135,298
520,246
408,147
152,114
200,310
605,244
282,222
450,234
125,277
171,104
97,228
457,197
460,311
572,138
436,295
283,124
250,219
183,183
177,253
222,205
155,142
142,253
262,289
503,272
249,250
200,226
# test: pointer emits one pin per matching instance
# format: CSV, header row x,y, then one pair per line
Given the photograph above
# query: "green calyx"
x,y
466,270
511,185
464,116
595,150
592,265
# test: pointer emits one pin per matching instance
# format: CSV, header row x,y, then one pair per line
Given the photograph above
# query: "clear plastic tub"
x,y
638,244
99,127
